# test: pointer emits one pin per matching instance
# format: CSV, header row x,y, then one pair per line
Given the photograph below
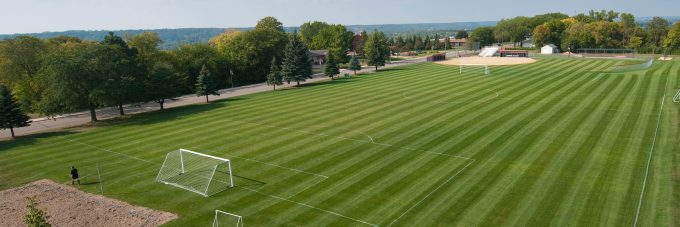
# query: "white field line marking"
x,y
651,152
309,206
252,190
304,189
348,129
258,161
431,192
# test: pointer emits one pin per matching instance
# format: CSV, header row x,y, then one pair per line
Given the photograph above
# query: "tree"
x,y
331,68
354,65
124,79
188,60
269,23
657,29
515,29
163,83
205,84
541,35
483,35
20,62
147,46
309,30
334,38
274,76
75,75
376,49
297,66
249,53
672,41
35,216
461,34
11,115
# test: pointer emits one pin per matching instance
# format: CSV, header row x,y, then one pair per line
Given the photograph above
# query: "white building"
x,y
549,49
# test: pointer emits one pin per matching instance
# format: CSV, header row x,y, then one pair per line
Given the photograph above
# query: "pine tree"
x,y
35,217
297,66
376,50
274,76
11,115
205,84
354,65
331,67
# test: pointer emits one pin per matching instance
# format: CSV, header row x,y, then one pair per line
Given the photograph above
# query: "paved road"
x,y
80,118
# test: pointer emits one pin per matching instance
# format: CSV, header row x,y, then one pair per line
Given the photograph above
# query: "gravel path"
x,y
75,119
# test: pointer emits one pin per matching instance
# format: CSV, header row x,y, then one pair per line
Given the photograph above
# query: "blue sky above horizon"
x,y
29,16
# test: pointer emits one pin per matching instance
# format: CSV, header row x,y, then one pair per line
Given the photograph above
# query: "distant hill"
x,y
175,37
172,38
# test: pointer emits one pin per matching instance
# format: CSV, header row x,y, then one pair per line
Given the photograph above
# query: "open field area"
x,y
555,142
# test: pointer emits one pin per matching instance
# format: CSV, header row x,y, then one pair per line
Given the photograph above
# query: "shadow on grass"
x,y
159,116
32,139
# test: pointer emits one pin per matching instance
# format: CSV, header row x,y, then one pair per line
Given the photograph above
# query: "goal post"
x,y
227,219
474,68
200,173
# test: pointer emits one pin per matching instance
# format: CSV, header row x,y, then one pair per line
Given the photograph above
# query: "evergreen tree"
x,y
331,67
274,76
11,115
35,217
376,50
205,84
297,66
354,65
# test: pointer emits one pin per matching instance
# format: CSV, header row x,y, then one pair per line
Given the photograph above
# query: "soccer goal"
x,y
474,68
676,98
227,219
200,173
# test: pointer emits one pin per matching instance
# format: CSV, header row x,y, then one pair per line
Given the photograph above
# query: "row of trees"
x,y
597,29
419,43
66,74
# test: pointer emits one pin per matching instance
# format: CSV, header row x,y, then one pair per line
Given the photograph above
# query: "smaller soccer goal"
x,y
200,173
676,98
227,219
474,68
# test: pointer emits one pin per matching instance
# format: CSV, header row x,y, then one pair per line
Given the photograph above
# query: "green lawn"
x,y
556,142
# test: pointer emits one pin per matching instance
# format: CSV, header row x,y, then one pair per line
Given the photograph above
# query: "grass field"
x,y
556,142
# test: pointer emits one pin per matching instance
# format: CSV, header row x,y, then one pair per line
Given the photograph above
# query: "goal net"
x,y
200,173
227,219
676,98
474,68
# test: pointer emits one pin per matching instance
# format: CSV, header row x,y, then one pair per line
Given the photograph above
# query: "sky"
x,y
28,16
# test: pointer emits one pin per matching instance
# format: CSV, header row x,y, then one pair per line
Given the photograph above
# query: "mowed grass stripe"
x,y
481,115
492,168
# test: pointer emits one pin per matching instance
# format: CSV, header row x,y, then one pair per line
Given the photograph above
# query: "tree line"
x,y
66,74
421,43
597,29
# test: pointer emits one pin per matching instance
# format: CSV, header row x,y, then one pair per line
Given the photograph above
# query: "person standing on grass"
x,y
74,175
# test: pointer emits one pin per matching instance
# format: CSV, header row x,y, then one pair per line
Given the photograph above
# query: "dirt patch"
x,y
68,206
487,61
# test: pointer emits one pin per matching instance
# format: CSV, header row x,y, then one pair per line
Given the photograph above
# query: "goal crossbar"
x,y
197,172
216,221
486,68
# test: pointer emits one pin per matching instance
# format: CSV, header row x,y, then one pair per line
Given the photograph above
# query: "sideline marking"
x,y
651,152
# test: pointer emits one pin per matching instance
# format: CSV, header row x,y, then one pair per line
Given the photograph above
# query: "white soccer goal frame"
x,y
486,68
182,171
676,98
239,218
